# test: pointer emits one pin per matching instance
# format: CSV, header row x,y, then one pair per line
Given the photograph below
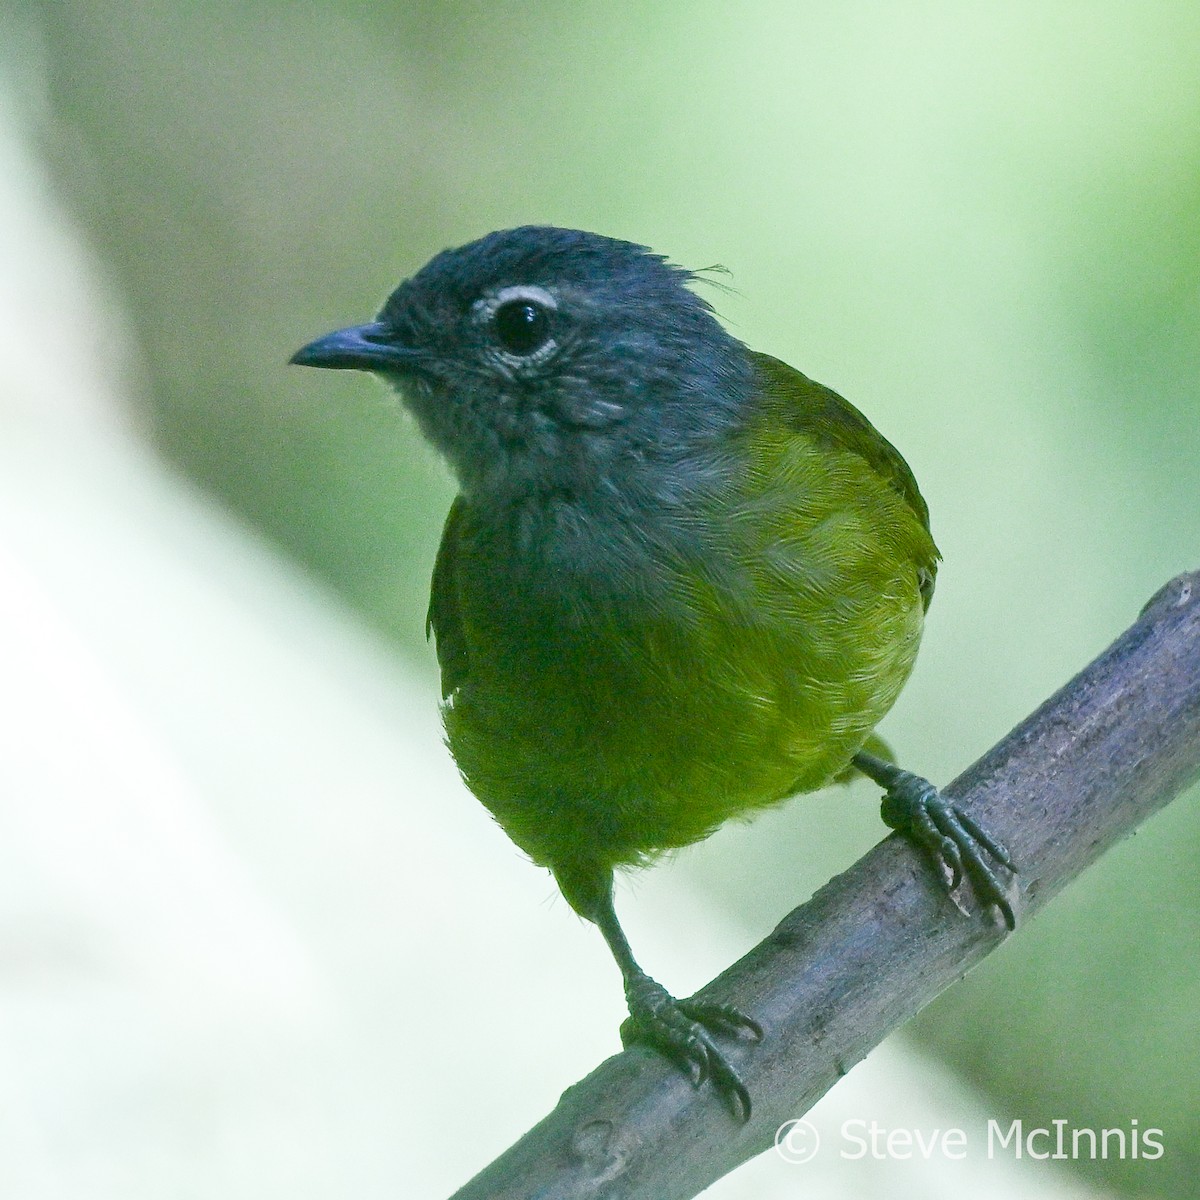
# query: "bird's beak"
x,y
360,348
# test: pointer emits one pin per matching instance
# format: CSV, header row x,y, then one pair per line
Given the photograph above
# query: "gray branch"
x,y
879,942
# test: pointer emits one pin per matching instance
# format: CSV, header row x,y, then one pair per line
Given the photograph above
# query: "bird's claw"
x,y
954,840
723,1018
680,1030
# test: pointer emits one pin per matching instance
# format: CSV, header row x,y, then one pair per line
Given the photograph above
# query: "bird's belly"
x,y
629,738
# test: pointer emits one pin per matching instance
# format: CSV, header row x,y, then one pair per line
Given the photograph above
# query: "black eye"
x,y
522,326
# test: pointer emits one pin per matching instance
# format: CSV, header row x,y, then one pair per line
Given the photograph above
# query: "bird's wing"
x,y
821,414
444,619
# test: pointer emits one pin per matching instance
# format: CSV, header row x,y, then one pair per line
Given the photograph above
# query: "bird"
x,y
680,582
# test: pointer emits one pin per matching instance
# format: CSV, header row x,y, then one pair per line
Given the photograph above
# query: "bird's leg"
x,y
954,841
681,1030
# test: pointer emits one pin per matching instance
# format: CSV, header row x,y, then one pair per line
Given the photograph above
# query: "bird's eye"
x,y
522,326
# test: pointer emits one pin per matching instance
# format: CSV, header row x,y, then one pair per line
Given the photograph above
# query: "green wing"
x,y
822,415
444,620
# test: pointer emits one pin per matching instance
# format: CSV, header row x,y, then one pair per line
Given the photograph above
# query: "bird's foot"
x,y
952,839
681,1031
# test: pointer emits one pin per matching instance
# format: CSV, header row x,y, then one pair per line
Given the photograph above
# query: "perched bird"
x,y
681,581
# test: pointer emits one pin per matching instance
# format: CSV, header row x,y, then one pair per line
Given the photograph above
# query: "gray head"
x,y
551,360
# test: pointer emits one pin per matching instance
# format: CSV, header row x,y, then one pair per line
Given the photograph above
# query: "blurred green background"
x,y
980,223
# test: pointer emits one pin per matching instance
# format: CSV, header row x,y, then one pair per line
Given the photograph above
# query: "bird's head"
x,y
544,359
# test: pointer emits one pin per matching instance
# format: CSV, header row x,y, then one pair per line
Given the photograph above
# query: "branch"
x,y
879,942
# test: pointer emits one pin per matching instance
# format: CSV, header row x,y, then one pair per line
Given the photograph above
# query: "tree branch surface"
x,y
879,942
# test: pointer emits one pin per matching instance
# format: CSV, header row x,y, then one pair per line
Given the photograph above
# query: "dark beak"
x,y
359,348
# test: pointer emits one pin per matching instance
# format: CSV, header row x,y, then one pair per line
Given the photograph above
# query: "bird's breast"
x,y
654,684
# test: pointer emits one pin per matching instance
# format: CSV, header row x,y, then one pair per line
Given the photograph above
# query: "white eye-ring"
x,y
521,322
